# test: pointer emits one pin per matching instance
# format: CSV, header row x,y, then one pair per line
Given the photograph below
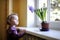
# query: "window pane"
x,y
42,3
55,10
30,15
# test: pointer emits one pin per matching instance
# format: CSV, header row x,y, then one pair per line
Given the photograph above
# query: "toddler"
x,y
12,32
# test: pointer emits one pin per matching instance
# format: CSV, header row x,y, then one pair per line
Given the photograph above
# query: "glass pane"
x,y
42,4
30,15
55,10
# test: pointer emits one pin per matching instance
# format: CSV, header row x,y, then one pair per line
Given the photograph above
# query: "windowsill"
x,y
50,35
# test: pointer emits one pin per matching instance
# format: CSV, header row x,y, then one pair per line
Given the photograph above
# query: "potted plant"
x,y
41,13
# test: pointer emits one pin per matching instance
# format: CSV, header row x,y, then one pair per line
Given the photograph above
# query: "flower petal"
x,y
31,9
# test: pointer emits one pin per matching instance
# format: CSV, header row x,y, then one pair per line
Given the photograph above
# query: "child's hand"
x,y
22,31
18,30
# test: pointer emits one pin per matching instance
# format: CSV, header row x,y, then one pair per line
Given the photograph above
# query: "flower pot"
x,y
44,26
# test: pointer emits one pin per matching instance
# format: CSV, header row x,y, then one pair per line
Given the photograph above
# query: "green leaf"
x,y
41,13
44,13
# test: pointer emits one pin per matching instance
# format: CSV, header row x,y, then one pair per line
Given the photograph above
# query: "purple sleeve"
x,y
15,33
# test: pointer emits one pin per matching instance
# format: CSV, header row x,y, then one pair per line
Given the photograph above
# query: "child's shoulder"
x,y
13,28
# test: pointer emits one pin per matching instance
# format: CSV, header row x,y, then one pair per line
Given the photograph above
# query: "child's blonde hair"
x,y
9,18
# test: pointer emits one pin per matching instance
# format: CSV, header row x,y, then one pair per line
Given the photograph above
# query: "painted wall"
x,y
3,13
20,7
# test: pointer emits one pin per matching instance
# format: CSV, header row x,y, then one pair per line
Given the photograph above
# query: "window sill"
x,y
49,35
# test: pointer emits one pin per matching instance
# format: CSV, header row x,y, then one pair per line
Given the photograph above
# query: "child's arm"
x,y
18,34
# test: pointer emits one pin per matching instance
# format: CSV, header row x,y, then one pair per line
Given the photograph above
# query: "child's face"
x,y
14,20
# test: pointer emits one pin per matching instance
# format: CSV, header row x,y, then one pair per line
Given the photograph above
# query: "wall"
x,y
3,13
20,7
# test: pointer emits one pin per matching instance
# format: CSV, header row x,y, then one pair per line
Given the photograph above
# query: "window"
x,y
30,15
53,11
42,3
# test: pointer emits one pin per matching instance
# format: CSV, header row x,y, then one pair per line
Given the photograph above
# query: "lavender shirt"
x,y
13,33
